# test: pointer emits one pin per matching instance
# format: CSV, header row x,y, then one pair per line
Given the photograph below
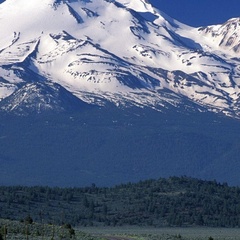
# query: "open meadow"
x,y
15,230
146,233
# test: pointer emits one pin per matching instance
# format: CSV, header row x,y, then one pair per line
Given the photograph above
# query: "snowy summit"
x,y
124,51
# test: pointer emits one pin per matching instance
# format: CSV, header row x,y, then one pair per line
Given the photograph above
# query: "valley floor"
x,y
146,233
21,230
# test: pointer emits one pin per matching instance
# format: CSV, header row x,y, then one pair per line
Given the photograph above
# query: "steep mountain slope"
x,y
225,36
38,97
118,51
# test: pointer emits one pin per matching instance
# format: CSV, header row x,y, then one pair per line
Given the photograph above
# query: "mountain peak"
x,y
137,5
227,35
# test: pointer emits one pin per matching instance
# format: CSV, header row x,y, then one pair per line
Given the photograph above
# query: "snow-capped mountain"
x,y
38,97
225,36
123,87
122,51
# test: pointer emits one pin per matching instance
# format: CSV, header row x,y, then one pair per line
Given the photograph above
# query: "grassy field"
x,y
21,230
123,233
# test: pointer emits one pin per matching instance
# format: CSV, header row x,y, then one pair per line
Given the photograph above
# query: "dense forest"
x,y
175,201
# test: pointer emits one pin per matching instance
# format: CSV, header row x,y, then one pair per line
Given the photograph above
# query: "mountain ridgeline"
x,y
176,201
118,52
114,91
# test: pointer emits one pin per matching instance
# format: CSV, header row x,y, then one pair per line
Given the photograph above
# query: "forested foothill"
x,y
174,201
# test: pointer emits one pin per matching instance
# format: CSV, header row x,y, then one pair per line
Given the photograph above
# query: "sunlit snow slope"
x,y
123,51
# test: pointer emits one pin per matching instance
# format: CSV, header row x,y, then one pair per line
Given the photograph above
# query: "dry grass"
x,y
17,231
167,233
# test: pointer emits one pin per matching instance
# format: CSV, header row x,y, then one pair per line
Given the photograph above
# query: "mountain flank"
x,y
110,146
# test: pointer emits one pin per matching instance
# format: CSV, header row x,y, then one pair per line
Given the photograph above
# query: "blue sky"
x,y
199,12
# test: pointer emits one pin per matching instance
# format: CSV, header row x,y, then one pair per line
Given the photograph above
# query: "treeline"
x,y
176,201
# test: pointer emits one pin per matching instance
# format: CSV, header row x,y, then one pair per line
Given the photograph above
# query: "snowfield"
x,y
121,51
